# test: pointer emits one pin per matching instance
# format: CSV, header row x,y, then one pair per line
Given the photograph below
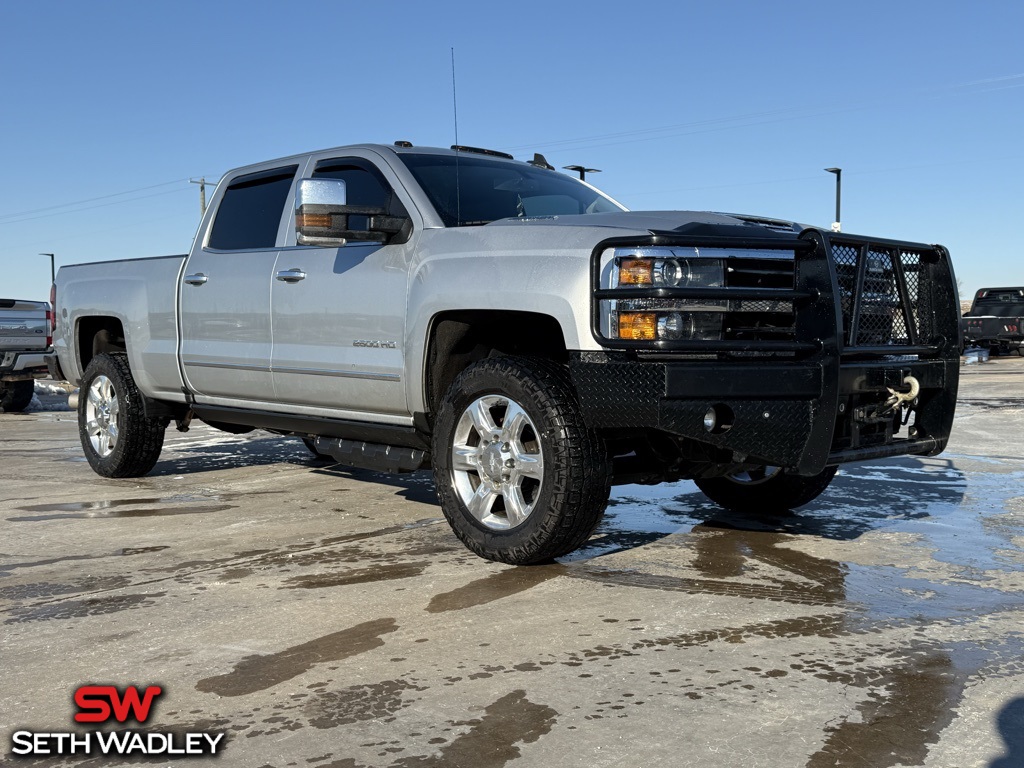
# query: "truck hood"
x,y
696,223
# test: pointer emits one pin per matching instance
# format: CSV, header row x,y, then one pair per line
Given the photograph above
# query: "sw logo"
x,y
97,703
105,704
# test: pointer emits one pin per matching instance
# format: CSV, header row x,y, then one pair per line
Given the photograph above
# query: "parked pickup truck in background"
x,y
24,340
519,331
996,320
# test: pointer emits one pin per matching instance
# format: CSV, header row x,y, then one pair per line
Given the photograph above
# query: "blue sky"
x,y
110,107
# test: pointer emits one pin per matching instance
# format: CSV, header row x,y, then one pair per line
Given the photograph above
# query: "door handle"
x,y
291,275
197,279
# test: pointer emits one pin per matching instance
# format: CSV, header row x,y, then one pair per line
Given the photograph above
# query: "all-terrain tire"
x,y
777,493
16,395
135,448
568,498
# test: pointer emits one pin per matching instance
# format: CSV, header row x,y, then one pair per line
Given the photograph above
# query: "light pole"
x,y
53,272
839,186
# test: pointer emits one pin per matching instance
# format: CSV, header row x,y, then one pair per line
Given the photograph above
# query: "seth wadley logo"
x,y
106,703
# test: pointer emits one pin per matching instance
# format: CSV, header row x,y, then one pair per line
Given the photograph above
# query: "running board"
x,y
381,458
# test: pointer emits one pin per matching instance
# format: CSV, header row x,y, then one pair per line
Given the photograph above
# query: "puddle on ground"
x,y
257,673
491,740
356,576
73,609
504,583
956,517
358,703
52,589
128,551
117,508
124,513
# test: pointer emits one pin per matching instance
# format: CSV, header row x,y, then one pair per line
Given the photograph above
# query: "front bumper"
x,y
792,415
804,402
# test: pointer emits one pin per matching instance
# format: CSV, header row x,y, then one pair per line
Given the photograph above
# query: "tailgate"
x,y
23,325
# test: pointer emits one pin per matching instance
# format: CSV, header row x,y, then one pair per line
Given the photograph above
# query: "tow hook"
x,y
897,398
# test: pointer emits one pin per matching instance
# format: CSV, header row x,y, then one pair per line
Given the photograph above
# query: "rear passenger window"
x,y
250,212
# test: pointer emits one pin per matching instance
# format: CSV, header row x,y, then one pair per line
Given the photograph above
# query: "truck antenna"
x,y
455,110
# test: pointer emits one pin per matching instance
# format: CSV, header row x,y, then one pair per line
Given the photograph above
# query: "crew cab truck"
x,y
996,320
24,342
519,331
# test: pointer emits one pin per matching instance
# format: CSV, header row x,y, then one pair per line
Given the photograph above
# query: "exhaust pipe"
x,y
73,401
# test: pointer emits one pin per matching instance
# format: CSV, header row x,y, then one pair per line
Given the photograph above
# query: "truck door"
x,y
339,313
225,291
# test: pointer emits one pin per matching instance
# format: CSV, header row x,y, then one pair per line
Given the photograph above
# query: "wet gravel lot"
x,y
328,618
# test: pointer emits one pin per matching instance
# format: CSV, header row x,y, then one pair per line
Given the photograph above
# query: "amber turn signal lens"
x,y
635,272
312,220
638,326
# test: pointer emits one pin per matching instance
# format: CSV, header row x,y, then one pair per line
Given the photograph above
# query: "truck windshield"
x,y
468,191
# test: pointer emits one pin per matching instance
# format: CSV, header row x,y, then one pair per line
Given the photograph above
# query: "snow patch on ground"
x,y
50,396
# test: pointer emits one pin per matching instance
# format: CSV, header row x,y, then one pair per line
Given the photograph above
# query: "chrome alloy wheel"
x,y
497,462
102,412
755,476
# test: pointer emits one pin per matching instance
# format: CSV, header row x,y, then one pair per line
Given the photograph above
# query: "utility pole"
x,y
581,170
53,271
202,194
839,176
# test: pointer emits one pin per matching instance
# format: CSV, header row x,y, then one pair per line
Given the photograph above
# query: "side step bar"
x,y
381,458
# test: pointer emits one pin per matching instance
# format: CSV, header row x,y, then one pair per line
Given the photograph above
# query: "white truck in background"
x,y
25,337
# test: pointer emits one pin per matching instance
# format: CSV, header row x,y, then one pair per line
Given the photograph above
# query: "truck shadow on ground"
x,y
861,499
414,486
1011,728
233,454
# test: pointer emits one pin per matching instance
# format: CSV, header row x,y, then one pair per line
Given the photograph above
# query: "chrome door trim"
x,y
231,366
309,371
342,374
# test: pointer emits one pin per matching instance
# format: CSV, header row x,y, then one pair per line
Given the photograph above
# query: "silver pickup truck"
x,y
519,331
24,342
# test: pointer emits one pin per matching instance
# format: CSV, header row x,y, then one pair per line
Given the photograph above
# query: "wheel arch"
x,y
458,338
97,335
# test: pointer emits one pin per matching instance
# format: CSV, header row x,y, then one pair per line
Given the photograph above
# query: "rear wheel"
x,y
118,438
519,475
16,395
765,489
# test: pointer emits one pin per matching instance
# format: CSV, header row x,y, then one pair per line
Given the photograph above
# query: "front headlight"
x,y
675,272
665,319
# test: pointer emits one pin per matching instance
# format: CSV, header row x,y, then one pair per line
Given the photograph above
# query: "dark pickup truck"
x,y
996,320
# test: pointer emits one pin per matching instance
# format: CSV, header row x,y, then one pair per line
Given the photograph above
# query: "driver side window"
x,y
365,185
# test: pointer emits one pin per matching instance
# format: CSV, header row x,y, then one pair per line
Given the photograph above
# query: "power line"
x,y
93,207
773,116
90,199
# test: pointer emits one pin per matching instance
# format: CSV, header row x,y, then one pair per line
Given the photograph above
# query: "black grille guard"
x,y
831,313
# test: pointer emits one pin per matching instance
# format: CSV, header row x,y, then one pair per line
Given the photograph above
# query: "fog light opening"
x,y
718,419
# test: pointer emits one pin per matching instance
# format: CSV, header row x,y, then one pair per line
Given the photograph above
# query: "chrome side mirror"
x,y
323,217
319,212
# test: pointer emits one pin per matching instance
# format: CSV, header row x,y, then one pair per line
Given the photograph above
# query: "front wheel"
x,y
118,438
520,477
765,489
